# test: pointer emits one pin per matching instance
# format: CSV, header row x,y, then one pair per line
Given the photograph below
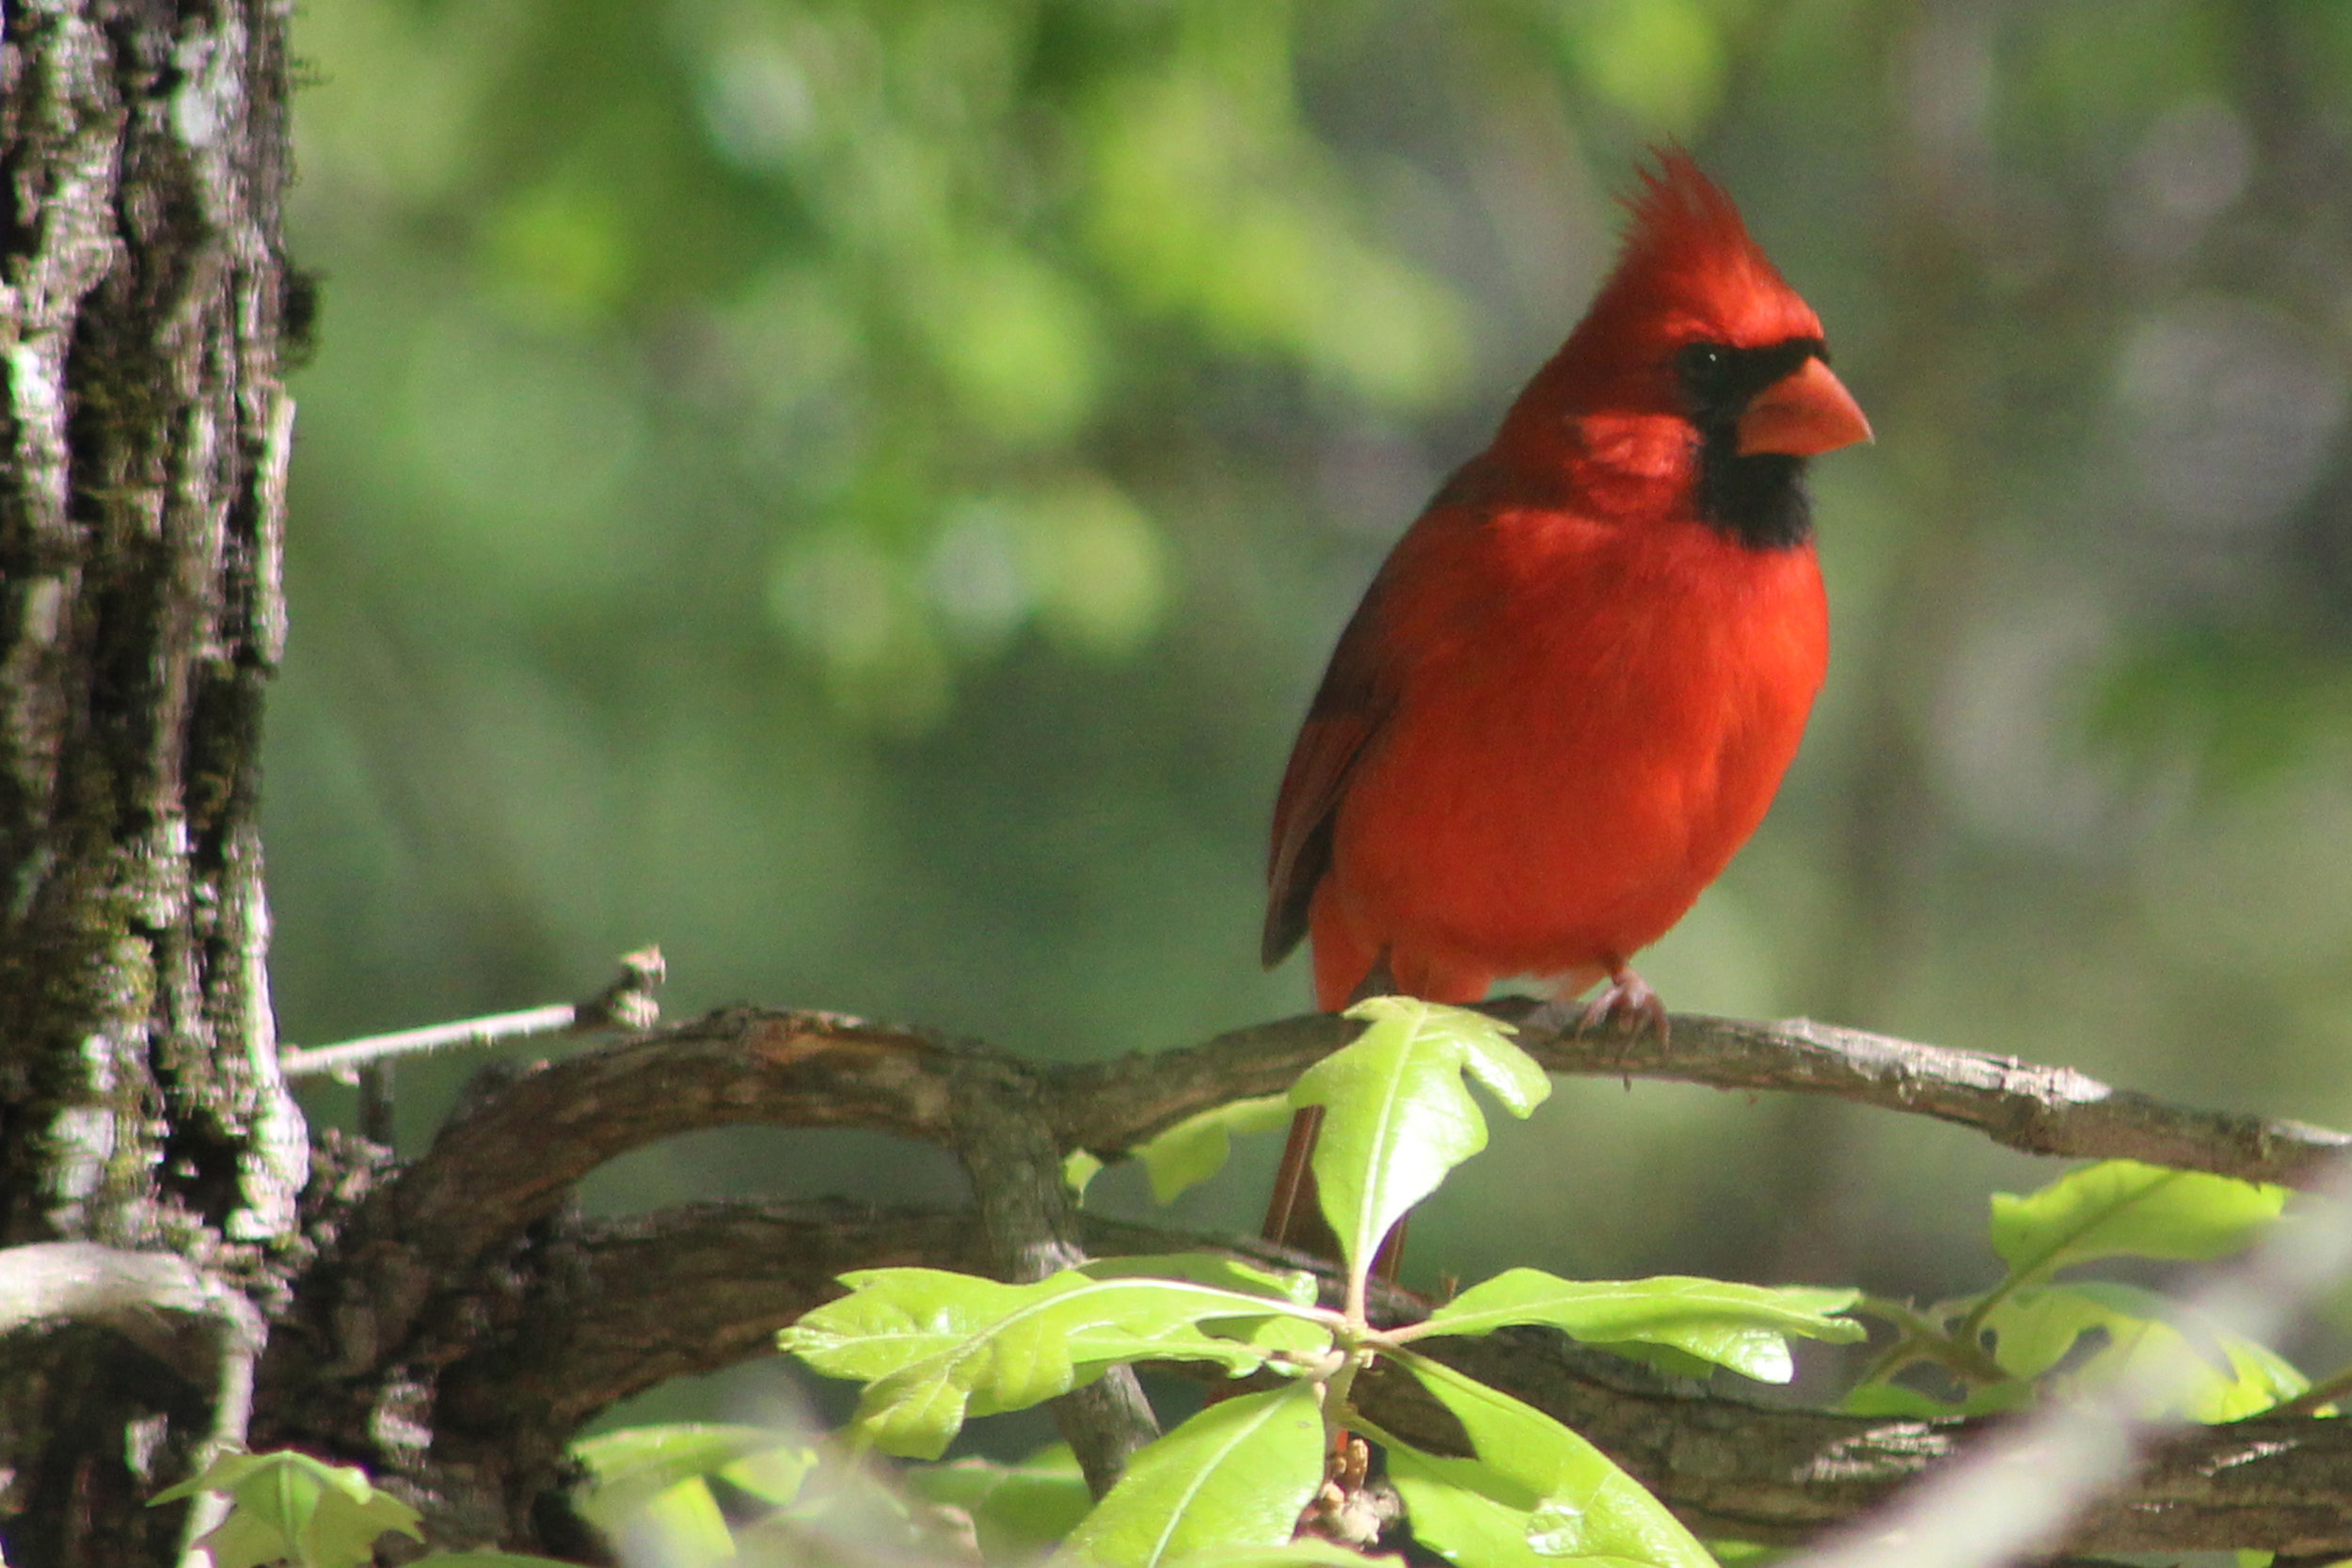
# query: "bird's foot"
x,y
1625,1000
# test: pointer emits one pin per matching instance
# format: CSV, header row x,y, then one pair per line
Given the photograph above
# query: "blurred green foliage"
x,y
860,494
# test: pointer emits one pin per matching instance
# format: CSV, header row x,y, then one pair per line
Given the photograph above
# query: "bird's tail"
x,y
1294,1215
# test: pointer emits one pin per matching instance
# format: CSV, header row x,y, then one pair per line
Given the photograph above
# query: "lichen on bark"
x,y
144,431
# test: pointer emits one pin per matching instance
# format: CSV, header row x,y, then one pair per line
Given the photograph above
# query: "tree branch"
x,y
134,1294
696,1289
1110,1107
449,1245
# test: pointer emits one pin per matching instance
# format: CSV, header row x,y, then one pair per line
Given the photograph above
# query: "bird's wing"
x,y
1356,697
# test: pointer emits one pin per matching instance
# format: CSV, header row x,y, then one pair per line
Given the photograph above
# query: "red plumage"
x,y
1569,695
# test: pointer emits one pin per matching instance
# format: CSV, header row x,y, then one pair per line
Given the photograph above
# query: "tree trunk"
x,y
143,445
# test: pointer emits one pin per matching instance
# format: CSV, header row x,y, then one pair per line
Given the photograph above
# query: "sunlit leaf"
x,y
288,1505
1218,1270
2214,1376
680,1527
1196,1147
1744,1327
1397,1116
1535,1493
1279,1331
932,1346
633,1466
1237,1474
2122,1208
1018,1511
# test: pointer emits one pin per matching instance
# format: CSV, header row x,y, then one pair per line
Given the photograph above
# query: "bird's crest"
x,y
1688,242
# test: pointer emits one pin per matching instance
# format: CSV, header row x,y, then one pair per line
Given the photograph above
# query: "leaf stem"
x,y
1924,1338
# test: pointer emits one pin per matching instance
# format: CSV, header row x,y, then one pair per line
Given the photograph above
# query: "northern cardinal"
x,y
1570,693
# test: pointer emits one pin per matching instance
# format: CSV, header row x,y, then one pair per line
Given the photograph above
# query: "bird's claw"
x,y
1626,1000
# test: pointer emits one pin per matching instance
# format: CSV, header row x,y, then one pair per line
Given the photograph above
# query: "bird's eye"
x,y
1702,365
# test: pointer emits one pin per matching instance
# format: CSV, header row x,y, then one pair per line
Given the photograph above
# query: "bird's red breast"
x,y
1570,694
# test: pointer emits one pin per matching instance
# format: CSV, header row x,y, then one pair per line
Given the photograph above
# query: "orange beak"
x,y
1806,412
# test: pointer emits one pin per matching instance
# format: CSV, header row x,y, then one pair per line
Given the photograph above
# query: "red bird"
x,y
1570,693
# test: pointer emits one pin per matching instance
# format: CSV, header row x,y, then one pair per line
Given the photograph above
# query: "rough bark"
x,y
143,443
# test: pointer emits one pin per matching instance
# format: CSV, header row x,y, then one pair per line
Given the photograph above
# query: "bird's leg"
x,y
1379,980
1627,999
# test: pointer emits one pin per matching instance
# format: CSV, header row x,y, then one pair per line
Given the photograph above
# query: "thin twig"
x,y
348,1056
625,1004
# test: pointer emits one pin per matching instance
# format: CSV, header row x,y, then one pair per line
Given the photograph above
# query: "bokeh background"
x,y
860,494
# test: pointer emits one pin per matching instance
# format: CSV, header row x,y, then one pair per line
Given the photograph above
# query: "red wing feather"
x,y
1349,708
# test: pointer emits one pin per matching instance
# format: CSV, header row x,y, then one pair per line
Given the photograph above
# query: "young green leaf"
x,y
932,1346
1196,1147
680,1527
1535,1493
2218,1376
1237,1474
292,1507
1019,1511
1744,1327
2123,1207
631,1468
1397,1117
1295,1286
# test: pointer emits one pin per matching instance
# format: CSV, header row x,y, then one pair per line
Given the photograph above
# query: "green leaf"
x,y
1535,1493
1397,1117
1237,1474
932,1346
489,1560
1299,1337
1018,1511
634,1466
1196,1147
2222,1376
1295,1286
679,1528
2122,1208
1744,1327
289,1506
1079,1170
